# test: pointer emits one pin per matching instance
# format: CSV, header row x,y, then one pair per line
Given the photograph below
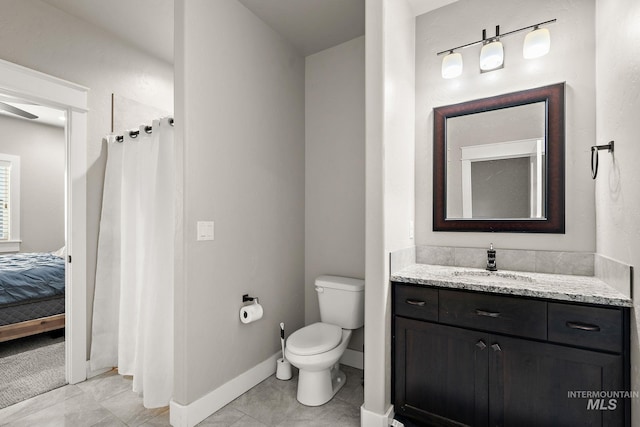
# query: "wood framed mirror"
x,y
498,163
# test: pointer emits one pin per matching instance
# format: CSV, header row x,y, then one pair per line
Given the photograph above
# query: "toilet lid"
x,y
314,339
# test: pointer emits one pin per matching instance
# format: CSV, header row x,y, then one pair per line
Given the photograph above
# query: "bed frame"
x,y
31,327
40,306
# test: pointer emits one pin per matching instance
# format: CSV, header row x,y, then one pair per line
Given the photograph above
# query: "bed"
x,y
31,294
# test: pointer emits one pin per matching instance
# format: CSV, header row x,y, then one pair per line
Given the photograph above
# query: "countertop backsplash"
x,y
552,262
401,259
615,273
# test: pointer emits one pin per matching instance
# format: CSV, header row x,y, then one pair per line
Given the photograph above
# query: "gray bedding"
x,y
30,276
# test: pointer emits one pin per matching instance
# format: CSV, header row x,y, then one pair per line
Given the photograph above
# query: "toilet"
x,y
316,349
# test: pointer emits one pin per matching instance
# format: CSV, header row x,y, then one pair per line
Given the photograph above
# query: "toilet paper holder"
x,y
246,298
250,313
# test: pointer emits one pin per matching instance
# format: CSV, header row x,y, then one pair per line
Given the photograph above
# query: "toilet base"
x,y
316,388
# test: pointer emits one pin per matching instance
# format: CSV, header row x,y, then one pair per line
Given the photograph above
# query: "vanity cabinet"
x,y
491,360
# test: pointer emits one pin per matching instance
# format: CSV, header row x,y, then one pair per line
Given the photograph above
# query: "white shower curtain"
x,y
133,303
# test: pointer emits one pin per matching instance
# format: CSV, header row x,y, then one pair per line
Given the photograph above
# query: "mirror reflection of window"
x,y
496,163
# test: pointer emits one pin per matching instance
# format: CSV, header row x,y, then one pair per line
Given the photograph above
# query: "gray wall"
x,y
570,60
334,169
240,129
39,36
42,162
618,182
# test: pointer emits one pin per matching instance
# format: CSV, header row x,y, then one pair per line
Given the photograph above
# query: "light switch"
x,y
205,230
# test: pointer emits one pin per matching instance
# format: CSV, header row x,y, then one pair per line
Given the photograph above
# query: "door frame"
x,y
51,91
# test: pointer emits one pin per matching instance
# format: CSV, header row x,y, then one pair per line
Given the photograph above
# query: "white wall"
x,y
334,169
42,164
390,120
617,112
571,60
399,124
39,36
240,128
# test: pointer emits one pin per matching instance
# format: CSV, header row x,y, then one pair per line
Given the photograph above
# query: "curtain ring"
x,y
148,129
134,133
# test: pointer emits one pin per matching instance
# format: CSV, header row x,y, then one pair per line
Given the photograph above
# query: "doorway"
x,y
42,89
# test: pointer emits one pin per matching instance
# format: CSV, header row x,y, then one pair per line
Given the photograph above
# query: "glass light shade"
x,y
536,43
452,65
491,56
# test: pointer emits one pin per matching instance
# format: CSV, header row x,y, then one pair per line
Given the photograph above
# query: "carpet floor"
x,y
29,368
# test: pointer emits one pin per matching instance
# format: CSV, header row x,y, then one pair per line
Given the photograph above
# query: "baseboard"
x,y
91,373
373,419
353,358
191,414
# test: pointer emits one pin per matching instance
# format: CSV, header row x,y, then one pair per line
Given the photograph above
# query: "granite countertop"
x,y
562,287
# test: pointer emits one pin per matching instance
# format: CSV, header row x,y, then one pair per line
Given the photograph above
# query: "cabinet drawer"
x,y
416,302
592,327
515,316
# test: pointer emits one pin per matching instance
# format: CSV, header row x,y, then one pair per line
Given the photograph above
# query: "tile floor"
x,y
107,400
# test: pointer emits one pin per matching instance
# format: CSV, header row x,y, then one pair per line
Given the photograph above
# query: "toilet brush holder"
x,y
283,370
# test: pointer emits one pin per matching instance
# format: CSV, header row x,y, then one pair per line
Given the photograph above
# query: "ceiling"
x,y
145,24
310,25
423,6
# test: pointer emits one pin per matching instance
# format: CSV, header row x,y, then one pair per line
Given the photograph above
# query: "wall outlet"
x,y
205,230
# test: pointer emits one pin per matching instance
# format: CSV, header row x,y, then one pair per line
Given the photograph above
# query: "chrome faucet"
x,y
491,259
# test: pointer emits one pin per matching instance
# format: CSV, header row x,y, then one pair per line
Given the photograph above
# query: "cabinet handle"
x,y
496,347
486,313
415,302
583,326
481,345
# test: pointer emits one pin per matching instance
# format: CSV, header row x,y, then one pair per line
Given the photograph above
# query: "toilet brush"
x,y
282,338
283,369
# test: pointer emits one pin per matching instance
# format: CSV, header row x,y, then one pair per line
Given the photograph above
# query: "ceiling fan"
x,y
17,111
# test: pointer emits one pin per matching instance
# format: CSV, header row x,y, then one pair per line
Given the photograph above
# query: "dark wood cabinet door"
x,y
440,373
529,385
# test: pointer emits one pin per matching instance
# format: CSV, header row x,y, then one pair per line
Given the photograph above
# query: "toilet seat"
x,y
314,339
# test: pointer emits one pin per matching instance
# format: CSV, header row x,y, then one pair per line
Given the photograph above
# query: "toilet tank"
x,y
341,301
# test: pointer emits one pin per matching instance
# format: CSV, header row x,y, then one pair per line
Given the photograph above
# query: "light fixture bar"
x,y
497,36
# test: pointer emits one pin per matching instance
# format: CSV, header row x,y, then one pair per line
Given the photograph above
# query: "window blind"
x,y
5,186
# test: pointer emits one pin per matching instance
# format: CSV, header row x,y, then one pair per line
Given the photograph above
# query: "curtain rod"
x,y
135,133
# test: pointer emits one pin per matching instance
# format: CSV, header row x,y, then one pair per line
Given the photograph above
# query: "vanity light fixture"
x,y
492,56
452,65
492,52
536,44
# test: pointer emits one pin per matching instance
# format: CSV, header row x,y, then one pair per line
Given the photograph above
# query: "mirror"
x,y
499,163
494,163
